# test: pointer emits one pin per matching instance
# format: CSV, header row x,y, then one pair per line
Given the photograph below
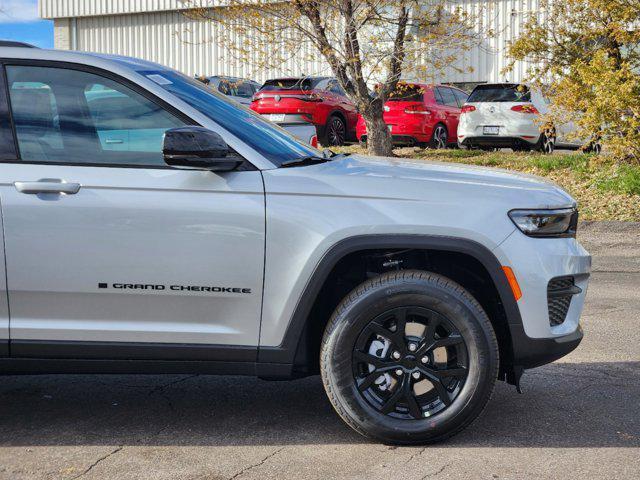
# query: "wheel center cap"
x,y
409,361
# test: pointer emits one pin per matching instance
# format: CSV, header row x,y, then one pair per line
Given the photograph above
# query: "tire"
x,y
547,142
439,137
368,315
335,132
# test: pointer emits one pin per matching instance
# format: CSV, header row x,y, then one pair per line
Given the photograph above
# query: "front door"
x,y
108,247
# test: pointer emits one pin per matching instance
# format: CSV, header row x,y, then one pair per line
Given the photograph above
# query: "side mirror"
x,y
197,148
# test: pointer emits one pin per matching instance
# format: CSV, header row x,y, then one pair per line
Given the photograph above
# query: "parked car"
x,y
221,244
241,90
421,114
508,115
319,101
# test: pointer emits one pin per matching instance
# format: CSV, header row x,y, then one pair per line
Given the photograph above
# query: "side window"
x,y
70,116
7,143
448,97
334,87
460,96
438,96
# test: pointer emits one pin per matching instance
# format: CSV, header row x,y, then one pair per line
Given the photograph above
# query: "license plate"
x,y
491,130
276,117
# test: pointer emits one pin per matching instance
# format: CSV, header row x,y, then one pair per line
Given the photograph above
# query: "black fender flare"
x,y
286,351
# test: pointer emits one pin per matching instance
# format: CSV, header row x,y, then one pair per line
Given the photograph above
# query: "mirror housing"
x,y
197,148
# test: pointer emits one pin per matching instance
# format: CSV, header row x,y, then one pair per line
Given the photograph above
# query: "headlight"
x,y
546,223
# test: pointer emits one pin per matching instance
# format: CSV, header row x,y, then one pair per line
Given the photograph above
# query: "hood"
x,y
413,179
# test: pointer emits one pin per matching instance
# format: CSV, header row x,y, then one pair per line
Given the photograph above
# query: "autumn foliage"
x,y
586,55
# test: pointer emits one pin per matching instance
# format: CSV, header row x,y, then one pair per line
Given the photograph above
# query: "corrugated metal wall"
x,y
170,38
85,8
188,45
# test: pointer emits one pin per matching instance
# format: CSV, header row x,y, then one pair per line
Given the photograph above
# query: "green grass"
x,y
604,189
626,180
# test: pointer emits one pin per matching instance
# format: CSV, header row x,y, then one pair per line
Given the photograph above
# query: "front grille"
x,y
559,293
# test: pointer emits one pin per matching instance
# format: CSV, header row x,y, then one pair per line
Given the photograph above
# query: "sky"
x,y
19,21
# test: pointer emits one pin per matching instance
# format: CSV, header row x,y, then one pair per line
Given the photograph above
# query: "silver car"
x,y
152,225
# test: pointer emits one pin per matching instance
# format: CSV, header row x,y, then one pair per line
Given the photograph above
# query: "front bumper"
x,y
536,337
532,352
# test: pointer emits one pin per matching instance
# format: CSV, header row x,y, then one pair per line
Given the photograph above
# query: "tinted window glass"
x,y
334,87
460,96
274,143
70,116
500,93
7,144
438,96
448,97
236,88
305,83
407,93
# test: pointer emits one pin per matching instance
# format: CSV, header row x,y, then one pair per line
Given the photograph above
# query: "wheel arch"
x,y
309,318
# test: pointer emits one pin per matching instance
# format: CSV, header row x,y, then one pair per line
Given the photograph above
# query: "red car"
x,y
420,114
317,100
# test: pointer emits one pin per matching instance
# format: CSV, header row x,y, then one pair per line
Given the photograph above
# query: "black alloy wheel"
x,y
410,362
409,357
336,131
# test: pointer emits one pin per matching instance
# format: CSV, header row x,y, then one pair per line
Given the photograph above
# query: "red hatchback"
x,y
420,114
317,100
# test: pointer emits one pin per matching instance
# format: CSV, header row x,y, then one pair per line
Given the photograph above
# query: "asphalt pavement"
x,y
578,418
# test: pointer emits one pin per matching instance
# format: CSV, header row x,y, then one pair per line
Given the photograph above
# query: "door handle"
x,y
47,185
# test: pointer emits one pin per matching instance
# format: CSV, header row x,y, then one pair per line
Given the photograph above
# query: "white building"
x,y
156,30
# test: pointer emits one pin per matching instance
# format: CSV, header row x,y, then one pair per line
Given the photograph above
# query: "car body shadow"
x,y
565,405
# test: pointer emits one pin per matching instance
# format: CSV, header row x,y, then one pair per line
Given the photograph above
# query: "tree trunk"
x,y
379,140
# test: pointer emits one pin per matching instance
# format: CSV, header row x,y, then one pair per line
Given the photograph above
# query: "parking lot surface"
x,y
578,418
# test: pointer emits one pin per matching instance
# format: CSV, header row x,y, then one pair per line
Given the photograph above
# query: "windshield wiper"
x,y
307,160
327,156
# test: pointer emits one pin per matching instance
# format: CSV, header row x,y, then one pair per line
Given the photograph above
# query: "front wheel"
x,y
409,357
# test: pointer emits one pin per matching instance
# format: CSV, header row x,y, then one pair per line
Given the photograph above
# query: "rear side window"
x,y
305,83
407,93
71,116
508,92
460,96
448,97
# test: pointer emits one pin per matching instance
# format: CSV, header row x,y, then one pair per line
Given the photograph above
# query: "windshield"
x,y
266,138
500,93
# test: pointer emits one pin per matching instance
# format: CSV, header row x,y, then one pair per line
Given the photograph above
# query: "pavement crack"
x,y
101,459
160,388
437,472
255,465
416,454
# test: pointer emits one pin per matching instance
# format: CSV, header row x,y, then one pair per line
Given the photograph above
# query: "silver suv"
x,y
151,225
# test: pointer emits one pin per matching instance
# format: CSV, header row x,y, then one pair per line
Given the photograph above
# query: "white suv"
x,y
152,225
500,115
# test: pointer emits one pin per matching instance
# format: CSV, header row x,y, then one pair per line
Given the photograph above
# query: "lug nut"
x,y
399,372
412,347
424,359
396,355
416,375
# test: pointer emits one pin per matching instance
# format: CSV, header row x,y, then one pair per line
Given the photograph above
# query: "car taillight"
x,y
527,108
314,141
417,110
468,108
